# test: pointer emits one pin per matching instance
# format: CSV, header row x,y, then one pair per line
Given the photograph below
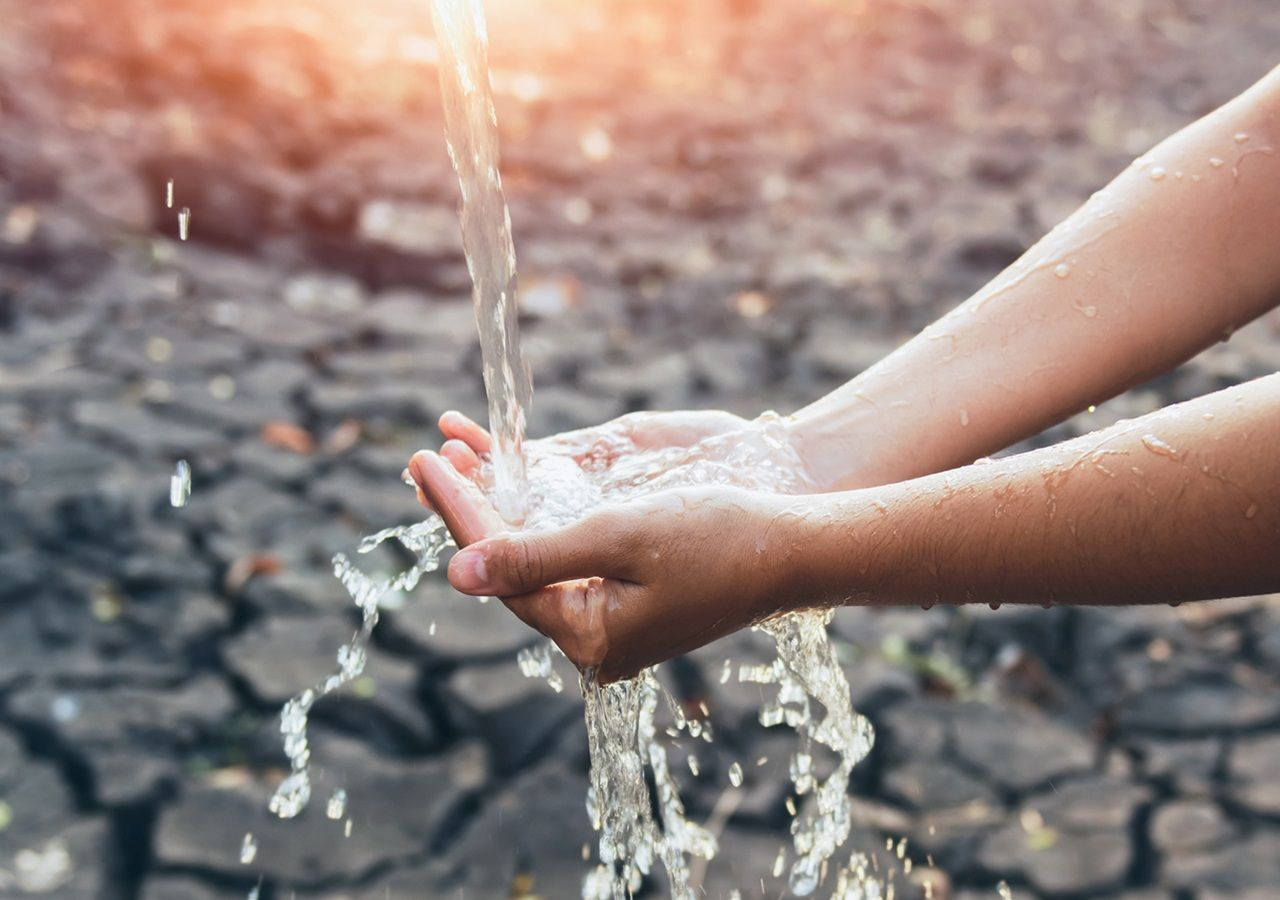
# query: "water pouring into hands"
x,y
628,584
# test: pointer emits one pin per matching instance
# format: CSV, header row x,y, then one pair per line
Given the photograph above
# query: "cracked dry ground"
x,y
717,204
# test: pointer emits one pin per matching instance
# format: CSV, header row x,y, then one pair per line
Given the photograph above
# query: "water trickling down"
x,y
637,824
471,130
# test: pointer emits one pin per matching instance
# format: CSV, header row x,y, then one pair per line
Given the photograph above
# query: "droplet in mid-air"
x,y
248,848
168,194
180,484
337,806
184,223
735,775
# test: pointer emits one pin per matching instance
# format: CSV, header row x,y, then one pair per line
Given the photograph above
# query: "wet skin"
x,y
1185,504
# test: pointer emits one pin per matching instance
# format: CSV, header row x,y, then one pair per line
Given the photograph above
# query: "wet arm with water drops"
x,y
1183,504
1177,252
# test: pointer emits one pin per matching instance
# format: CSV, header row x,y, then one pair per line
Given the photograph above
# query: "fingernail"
x,y
467,571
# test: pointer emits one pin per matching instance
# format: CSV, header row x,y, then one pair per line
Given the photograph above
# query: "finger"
x,y
461,457
455,426
512,564
422,497
469,516
407,477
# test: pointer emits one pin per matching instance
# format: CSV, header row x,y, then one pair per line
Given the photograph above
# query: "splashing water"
x,y
637,825
426,541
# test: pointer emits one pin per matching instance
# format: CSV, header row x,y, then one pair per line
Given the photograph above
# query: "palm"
x,y
650,441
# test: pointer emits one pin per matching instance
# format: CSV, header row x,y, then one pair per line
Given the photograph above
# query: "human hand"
x,y
654,449
630,584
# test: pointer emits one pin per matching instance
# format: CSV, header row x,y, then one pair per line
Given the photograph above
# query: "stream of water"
x,y
638,823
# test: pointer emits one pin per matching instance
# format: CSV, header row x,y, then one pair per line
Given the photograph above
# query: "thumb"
x,y
510,565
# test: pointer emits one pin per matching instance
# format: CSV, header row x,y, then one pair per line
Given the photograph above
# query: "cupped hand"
x,y
637,446
630,584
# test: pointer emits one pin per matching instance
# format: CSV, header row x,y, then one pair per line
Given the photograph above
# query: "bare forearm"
x,y
1183,504
1172,256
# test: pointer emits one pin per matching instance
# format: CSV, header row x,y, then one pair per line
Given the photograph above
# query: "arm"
x,y
1183,504
1172,256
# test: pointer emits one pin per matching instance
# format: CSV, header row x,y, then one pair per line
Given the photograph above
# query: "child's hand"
x,y
631,584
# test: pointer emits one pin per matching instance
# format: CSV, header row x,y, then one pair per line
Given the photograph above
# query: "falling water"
x,y
637,824
471,130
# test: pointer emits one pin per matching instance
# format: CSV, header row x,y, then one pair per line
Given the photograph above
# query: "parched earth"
x,y
736,204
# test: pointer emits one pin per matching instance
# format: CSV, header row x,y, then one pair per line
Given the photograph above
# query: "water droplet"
x,y
248,849
1004,891
1158,447
1062,270
693,765
168,194
431,629
1240,137
964,417
337,806
346,828
1157,173
780,862
1216,162
184,223
735,775
1092,408
1251,511
180,484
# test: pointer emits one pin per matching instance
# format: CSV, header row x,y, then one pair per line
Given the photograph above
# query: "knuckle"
x,y
524,562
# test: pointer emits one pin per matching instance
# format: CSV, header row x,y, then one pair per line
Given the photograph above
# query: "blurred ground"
x,y
735,204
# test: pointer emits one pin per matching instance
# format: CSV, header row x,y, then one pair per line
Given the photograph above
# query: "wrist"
x,y
808,549
820,435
